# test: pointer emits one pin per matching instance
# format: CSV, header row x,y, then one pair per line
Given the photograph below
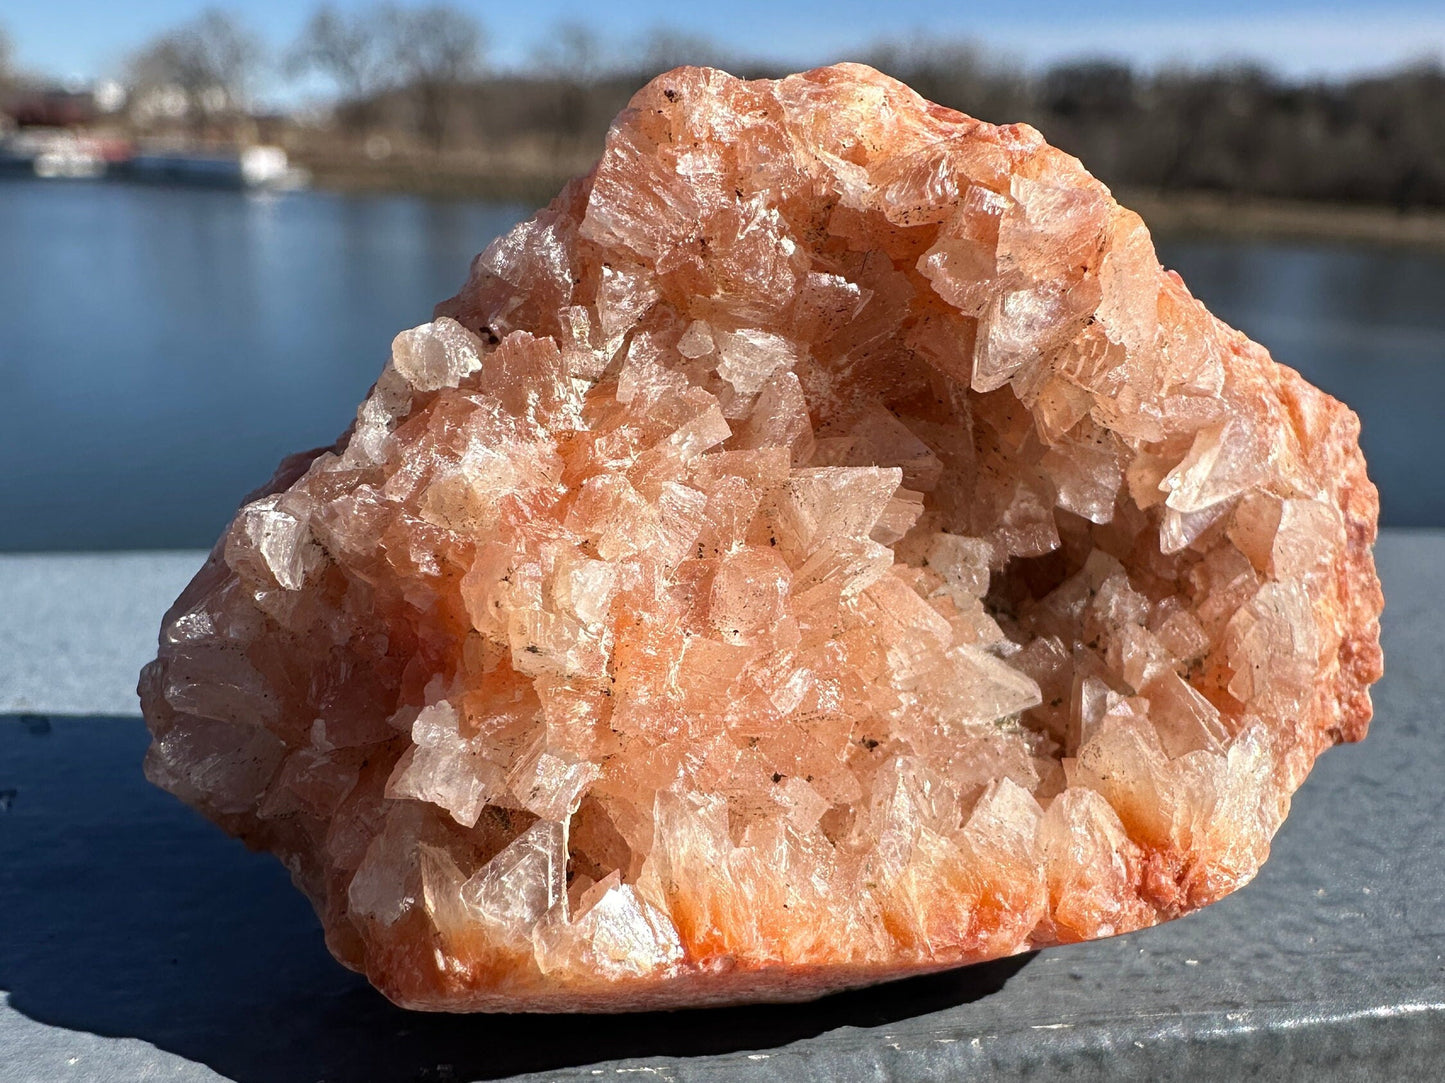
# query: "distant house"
x,y
53,107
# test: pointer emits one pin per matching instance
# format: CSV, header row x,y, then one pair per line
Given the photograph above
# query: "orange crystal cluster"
x,y
821,546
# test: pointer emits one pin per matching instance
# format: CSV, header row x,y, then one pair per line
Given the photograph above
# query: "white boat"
x,y
250,167
52,154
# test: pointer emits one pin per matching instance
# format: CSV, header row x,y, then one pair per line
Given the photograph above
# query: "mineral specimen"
x,y
822,546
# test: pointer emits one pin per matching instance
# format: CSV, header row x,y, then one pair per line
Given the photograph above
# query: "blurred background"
x,y
213,221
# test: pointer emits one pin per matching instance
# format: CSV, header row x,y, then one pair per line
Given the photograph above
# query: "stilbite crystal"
x,y
820,547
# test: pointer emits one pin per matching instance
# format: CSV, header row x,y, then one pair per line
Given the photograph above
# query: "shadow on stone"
x,y
125,914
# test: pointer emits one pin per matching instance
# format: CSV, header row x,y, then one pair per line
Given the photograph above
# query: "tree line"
x,y
415,80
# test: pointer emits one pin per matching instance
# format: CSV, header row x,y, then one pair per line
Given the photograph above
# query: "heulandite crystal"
x,y
820,547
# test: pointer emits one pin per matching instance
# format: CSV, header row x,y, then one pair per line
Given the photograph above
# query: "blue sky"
x,y
87,38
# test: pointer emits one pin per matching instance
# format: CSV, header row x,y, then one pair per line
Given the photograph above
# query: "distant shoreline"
x,y
1211,214
1168,214
494,181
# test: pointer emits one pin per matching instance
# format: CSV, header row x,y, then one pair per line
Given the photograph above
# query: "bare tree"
x,y
571,58
6,57
571,51
666,48
436,49
213,61
9,76
956,73
357,51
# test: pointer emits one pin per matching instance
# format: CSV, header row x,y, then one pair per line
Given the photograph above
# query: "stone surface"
x,y
822,546
112,969
46,663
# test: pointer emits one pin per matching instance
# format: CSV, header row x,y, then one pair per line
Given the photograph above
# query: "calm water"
x,y
161,349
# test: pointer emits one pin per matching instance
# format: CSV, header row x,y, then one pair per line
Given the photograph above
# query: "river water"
x,y
161,349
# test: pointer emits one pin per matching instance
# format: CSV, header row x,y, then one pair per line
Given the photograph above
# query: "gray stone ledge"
x,y
75,628
139,943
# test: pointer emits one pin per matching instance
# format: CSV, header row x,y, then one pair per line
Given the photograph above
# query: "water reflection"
x,y
161,349
1366,325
